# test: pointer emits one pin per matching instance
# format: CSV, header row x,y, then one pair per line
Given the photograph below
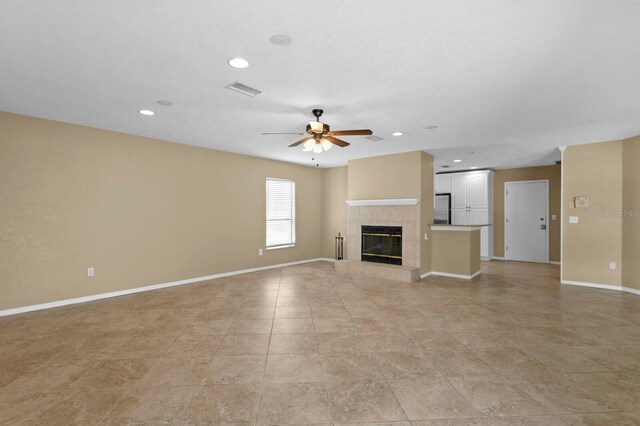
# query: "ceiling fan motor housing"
x,y
317,128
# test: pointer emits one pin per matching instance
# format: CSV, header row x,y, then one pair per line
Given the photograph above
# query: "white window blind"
x,y
281,213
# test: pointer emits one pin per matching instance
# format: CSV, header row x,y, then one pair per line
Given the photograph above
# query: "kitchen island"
x,y
455,250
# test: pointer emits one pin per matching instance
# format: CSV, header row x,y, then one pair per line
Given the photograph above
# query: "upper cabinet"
x,y
477,191
443,184
469,191
459,192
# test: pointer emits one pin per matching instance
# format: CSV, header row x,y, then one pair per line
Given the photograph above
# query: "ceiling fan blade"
x,y
301,141
269,133
337,141
362,132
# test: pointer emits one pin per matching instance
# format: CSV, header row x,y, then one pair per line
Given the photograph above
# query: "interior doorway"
x,y
526,228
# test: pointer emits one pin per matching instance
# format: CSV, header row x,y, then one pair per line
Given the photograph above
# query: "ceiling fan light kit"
x,y
320,137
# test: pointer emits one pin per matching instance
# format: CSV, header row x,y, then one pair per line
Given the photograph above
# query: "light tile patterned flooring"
x,y
304,345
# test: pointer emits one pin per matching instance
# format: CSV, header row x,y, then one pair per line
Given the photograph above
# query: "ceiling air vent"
x,y
374,138
244,89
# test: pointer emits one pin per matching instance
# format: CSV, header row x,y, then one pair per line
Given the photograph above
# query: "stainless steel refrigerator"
x,y
442,213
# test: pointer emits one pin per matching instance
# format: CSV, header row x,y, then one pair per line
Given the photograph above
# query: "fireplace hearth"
x,y
382,244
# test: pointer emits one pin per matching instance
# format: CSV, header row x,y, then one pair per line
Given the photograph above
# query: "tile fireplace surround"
x,y
406,216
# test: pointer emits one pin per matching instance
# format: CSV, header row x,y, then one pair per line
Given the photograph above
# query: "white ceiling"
x,y
509,79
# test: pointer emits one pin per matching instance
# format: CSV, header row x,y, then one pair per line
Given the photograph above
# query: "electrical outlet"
x,y
90,272
426,236
259,252
612,266
574,219
554,217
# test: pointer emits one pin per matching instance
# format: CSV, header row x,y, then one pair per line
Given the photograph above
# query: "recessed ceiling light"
x,y
457,161
397,134
146,112
280,39
238,63
473,167
431,127
164,103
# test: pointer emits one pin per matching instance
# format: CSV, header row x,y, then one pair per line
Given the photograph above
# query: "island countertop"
x,y
467,228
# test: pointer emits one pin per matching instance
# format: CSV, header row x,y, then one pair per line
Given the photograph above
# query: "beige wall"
x,y
387,176
456,252
631,218
140,211
405,175
553,174
593,170
426,210
334,209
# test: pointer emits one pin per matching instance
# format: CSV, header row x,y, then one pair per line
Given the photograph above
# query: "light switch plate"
x,y
573,219
554,217
612,266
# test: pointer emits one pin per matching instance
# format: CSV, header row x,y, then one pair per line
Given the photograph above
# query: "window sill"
x,y
281,247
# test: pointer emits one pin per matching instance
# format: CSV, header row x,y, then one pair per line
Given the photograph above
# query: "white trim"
x,y
426,275
561,148
464,277
65,302
631,290
602,286
454,228
553,262
281,246
384,202
547,221
498,257
485,258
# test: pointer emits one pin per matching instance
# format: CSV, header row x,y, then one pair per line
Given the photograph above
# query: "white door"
x,y
459,192
459,217
477,192
525,231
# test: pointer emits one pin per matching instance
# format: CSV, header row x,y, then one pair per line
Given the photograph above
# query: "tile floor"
x,y
304,345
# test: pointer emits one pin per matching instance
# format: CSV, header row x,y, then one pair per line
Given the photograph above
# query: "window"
x,y
281,213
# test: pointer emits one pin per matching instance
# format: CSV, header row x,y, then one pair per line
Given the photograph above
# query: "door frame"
x,y
515,182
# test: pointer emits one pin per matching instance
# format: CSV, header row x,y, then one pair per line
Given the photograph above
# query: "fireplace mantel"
x,y
384,202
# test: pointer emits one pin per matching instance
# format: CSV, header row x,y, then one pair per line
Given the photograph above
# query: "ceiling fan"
x,y
320,137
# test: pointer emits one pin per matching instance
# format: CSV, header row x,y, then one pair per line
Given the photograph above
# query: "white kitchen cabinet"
x,y
477,191
442,184
479,217
459,217
469,190
472,204
459,192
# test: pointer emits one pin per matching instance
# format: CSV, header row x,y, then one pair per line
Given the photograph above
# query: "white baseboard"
x,y
485,258
65,302
553,262
464,277
425,275
602,286
498,258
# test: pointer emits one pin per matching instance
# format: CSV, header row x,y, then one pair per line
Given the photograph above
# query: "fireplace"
x,y
382,244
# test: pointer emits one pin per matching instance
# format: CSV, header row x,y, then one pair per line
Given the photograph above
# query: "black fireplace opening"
x,y
382,244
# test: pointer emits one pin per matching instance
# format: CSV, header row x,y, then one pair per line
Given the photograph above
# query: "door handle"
x,y
543,227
